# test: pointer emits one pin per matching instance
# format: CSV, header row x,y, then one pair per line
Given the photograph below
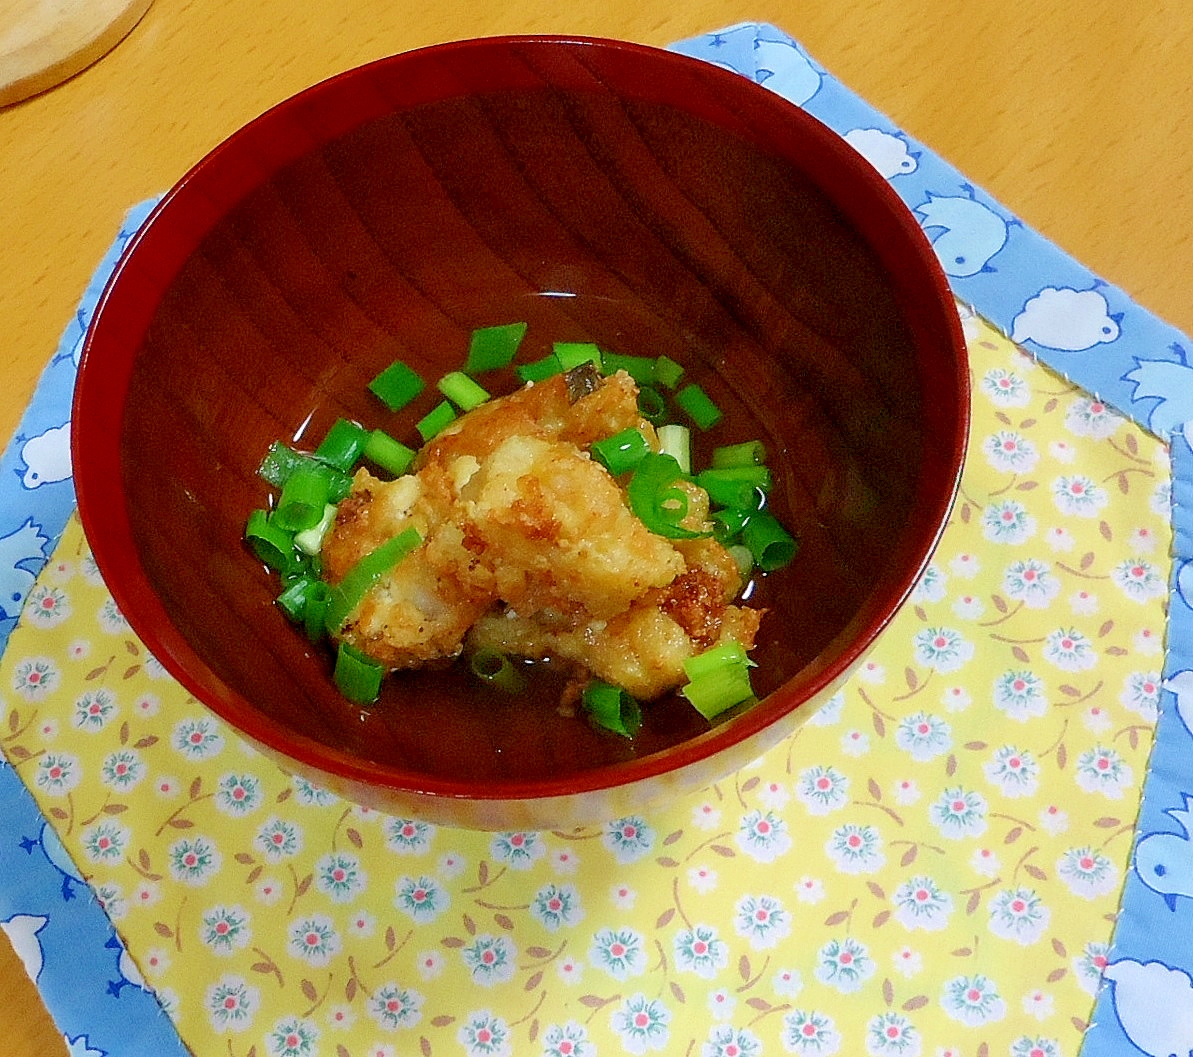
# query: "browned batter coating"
x,y
529,547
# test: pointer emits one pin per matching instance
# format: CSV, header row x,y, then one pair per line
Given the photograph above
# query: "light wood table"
x,y
1075,116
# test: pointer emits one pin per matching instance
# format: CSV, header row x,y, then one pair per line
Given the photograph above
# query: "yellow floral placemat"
x,y
932,865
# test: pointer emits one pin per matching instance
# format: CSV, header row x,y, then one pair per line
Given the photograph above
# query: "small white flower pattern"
x,y
894,879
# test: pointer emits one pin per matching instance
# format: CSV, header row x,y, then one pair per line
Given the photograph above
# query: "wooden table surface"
x,y
1077,117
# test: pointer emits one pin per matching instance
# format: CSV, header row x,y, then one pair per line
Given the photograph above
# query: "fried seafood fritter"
x,y
529,547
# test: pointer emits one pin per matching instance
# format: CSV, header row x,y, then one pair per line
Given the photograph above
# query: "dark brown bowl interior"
x,y
601,192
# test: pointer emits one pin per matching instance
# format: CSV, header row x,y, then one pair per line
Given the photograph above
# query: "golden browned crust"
x,y
529,547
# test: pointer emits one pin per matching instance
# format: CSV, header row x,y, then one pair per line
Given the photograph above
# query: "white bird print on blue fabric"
x,y
1154,1005
965,234
1067,320
130,974
20,551
1164,861
59,858
782,67
81,1047
1181,685
22,930
1171,383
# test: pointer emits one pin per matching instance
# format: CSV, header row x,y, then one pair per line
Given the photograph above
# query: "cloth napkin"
x,y
902,875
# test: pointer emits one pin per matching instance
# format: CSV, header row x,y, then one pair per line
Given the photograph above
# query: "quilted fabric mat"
x,y
876,881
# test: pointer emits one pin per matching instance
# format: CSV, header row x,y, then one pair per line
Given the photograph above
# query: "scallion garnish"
x,y
314,615
495,668
436,420
304,495
652,405
539,370
310,540
718,690
640,368
741,487
391,455
573,353
462,390
293,600
743,558
676,440
364,576
357,676
273,545
718,678
770,543
621,452
748,453
280,462
397,385
666,372
699,406
727,524
659,491
343,444
612,708
729,652
492,347
655,499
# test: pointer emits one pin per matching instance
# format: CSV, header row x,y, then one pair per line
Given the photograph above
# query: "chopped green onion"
x,y
315,612
462,390
539,370
667,372
729,652
397,385
640,368
652,406
391,455
749,453
496,669
492,347
699,406
653,497
436,420
621,452
727,524
304,495
770,543
310,540
741,487
280,462
676,440
293,600
339,483
573,353
742,555
364,576
714,691
357,676
342,445
718,678
304,601
612,708
273,545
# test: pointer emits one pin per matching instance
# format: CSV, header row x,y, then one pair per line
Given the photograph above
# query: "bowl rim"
x,y
195,203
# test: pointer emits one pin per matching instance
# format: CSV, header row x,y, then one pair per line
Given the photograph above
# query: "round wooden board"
x,y
43,42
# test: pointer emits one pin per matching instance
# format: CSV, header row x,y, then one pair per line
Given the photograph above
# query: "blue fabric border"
x,y
1082,327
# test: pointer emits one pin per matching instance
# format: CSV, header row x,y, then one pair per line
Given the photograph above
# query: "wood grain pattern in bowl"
x,y
603,192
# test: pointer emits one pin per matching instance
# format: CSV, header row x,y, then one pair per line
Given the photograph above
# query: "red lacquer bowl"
x,y
600,191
